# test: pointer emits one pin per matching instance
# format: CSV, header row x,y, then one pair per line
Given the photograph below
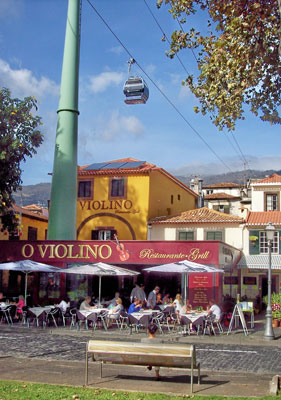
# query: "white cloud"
x,y
101,82
116,50
10,8
21,82
184,92
114,128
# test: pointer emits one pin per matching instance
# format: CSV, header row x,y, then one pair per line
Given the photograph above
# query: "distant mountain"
x,y
234,177
34,194
40,194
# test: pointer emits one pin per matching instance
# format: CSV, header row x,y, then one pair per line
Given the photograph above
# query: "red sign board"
x,y
137,252
200,289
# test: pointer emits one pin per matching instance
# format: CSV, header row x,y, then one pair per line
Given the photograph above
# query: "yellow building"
x,y
120,196
33,224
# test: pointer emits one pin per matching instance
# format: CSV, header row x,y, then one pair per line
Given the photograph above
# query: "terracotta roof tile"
x,y
218,196
263,217
223,185
275,178
199,216
145,167
27,213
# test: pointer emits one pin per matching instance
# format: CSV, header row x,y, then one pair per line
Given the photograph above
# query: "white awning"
x,y
260,261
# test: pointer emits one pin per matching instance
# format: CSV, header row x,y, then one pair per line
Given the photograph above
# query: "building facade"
x,y
119,197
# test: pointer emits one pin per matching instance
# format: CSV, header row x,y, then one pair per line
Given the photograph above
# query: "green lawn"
x,y
10,390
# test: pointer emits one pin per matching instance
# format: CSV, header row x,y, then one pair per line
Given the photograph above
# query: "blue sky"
x,y
31,49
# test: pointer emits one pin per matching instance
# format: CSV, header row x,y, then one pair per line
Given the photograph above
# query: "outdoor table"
x,y
38,311
92,315
192,318
4,305
141,318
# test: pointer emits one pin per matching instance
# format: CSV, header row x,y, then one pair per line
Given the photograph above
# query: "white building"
x,y
244,231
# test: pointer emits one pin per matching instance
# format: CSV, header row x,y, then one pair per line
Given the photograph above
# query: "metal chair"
x,y
208,325
158,319
124,320
54,316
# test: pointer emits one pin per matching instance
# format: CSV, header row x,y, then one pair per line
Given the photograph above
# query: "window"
x,y
222,208
172,199
214,235
271,202
85,189
249,280
264,244
186,235
230,280
103,234
209,191
179,197
117,188
32,233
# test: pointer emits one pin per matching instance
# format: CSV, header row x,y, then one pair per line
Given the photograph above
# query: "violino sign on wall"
x,y
127,252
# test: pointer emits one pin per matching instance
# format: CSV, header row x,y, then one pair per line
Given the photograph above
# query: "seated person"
x,y
135,306
19,305
85,305
112,303
188,307
116,311
2,299
166,298
151,330
214,310
63,305
159,299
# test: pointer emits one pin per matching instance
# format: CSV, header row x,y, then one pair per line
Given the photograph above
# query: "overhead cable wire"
x,y
165,36
243,159
193,52
158,88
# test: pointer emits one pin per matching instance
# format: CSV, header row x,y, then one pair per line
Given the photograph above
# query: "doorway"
x,y
264,283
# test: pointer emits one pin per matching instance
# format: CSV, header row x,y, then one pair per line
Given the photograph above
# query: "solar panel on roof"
x,y
133,164
96,166
114,165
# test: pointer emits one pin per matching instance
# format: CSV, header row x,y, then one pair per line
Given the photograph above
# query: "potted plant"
x,y
276,314
276,308
253,239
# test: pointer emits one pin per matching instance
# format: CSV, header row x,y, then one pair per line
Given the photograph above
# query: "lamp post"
x,y
268,333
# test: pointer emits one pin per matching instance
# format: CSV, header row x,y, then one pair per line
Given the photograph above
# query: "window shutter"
x,y
95,235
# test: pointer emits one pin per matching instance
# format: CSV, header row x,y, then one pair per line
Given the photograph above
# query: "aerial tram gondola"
x,y
135,89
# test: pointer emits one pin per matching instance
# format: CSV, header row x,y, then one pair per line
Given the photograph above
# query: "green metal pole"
x,y
62,213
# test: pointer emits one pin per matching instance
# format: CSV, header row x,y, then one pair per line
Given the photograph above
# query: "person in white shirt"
x,y
215,310
63,305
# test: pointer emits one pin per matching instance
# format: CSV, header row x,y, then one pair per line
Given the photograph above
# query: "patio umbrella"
x,y
183,267
99,269
28,266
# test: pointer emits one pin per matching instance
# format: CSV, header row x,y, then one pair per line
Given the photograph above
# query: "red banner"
x,y
136,252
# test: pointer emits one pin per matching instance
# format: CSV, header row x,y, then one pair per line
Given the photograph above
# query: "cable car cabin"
x,y
136,91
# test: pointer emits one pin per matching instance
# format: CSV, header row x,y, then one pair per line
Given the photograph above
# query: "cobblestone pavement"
x,y
37,343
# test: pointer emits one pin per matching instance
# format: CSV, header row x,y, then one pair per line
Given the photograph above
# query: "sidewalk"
x,y
131,378
134,378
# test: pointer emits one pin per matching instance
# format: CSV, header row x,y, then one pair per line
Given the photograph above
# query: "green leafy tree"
x,y
238,59
19,137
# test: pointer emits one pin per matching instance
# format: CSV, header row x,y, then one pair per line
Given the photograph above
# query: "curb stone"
x,y
274,385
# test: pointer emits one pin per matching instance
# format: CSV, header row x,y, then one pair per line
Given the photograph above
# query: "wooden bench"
x,y
157,355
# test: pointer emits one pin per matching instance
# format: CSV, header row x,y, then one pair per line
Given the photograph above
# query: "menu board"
x,y
200,289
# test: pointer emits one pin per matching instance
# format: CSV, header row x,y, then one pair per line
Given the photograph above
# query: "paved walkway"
x,y
232,365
